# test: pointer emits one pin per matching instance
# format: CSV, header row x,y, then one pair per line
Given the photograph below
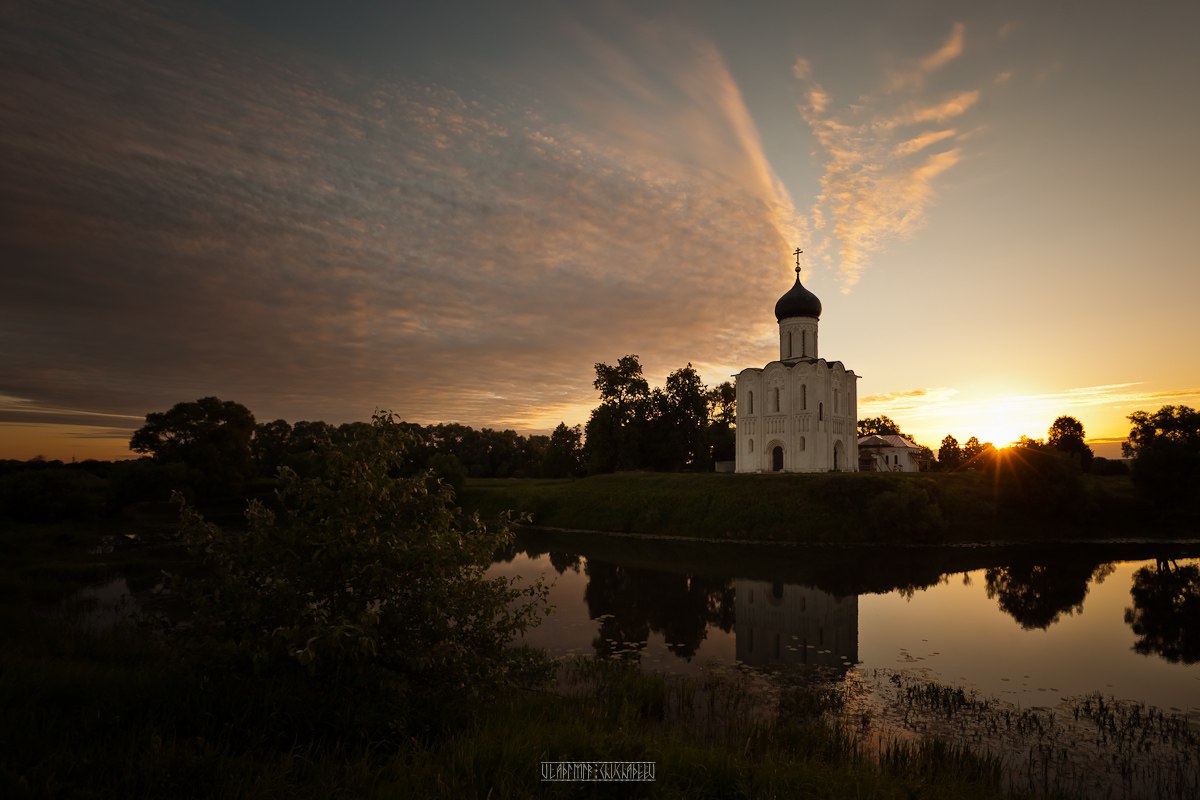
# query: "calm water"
x,y
1030,627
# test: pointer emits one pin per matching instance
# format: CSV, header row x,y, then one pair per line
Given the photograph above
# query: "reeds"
x,y
1089,746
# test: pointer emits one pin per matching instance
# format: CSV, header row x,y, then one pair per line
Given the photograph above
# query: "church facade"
x,y
799,413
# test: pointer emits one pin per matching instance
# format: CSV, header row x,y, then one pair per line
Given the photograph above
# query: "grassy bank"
x,y
820,508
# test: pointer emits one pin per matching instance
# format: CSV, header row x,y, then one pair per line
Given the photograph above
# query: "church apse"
x,y
780,624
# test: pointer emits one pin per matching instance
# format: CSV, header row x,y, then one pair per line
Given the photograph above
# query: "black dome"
x,y
798,302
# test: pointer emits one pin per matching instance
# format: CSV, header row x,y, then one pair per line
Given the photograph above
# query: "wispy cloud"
x,y
880,161
195,216
914,76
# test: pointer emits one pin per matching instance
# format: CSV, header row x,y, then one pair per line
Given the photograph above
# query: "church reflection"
x,y
777,624
782,624
799,610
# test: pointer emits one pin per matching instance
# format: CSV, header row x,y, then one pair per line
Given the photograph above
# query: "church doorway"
x,y
838,457
777,459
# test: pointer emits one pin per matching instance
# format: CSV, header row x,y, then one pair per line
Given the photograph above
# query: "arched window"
x,y
835,401
804,396
751,445
750,403
801,442
820,411
775,396
789,345
803,343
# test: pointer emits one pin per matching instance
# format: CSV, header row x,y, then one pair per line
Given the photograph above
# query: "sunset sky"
x,y
453,210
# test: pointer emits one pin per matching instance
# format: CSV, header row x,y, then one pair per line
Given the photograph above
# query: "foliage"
x,y
679,423
949,454
722,421
211,436
1165,448
1032,479
881,425
664,429
973,450
563,457
446,468
1066,435
616,430
367,580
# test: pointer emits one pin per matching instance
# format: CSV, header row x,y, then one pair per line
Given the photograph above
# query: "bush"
x,y
367,583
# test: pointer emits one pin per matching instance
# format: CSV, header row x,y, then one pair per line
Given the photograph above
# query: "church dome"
x,y
797,302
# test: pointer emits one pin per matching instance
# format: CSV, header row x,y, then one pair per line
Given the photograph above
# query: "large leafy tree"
x,y
679,428
1165,448
949,454
211,436
635,427
617,429
364,582
882,425
722,421
1066,435
563,457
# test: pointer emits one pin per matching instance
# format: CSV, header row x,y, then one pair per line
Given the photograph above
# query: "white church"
x,y
800,413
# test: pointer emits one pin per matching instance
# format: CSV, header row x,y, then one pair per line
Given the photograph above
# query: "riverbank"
x,y
846,508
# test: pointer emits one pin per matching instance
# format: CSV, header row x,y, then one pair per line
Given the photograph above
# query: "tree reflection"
x,y
1038,595
630,603
1166,611
564,561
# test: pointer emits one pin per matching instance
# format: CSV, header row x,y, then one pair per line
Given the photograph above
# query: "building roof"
x,y
886,440
797,302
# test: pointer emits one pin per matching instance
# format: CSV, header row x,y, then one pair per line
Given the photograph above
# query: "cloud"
x,y
880,160
914,76
193,212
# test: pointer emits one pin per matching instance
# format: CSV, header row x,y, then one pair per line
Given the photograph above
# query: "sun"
x,y
1003,421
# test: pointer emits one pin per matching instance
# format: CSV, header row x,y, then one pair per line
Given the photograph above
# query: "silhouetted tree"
x,y
1165,448
881,425
722,421
973,450
271,446
949,454
1066,435
563,457
617,427
679,426
211,436
636,428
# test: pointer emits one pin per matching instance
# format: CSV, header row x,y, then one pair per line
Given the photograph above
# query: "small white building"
x,y
797,414
888,453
